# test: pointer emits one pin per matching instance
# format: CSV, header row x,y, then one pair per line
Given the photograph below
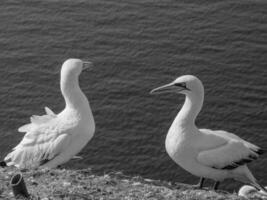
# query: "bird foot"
x,y
197,186
200,184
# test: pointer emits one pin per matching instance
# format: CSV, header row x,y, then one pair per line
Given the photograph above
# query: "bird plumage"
x,y
53,139
217,155
229,150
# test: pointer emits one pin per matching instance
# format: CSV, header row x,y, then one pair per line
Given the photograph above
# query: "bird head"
x,y
187,84
74,66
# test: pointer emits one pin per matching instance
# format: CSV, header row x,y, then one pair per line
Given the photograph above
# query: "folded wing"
x,y
43,140
233,153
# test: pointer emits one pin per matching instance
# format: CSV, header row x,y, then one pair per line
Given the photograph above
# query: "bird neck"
x,y
72,93
192,106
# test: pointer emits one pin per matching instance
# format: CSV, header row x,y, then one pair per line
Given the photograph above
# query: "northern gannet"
x,y
205,153
53,139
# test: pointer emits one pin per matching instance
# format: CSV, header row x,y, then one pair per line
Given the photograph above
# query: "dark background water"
x,y
136,46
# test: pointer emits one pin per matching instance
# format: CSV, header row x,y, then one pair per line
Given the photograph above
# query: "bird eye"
x,y
180,85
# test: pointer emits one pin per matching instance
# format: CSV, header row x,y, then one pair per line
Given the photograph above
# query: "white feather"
x,y
49,111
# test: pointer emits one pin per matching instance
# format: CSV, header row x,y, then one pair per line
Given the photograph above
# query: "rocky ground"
x,y
83,184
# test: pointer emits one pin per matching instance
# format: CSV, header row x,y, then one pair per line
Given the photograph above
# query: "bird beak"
x,y
171,87
87,65
164,89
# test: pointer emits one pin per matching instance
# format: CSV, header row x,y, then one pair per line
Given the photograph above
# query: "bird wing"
x,y
231,152
233,136
46,137
37,120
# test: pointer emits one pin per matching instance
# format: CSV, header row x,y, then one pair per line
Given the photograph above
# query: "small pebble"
x,y
106,176
66,184
148,180
34,183
136,183
125,180
149,194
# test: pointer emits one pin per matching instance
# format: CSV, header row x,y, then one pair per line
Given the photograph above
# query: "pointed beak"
x,y
168,88
87,65
164,89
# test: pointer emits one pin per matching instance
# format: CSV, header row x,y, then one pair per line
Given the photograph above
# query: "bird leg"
x,y
201,183
216,185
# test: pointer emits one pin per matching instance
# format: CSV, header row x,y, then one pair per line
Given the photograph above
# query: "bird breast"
x,y
178,144
73,119
174,142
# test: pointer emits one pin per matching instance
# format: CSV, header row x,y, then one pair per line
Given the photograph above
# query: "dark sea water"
x,y
136,46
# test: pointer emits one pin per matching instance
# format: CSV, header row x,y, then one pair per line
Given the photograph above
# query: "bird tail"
x,y
260,188
13,158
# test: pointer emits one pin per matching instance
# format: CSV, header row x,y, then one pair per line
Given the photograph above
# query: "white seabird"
x,y
53,139
205,153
